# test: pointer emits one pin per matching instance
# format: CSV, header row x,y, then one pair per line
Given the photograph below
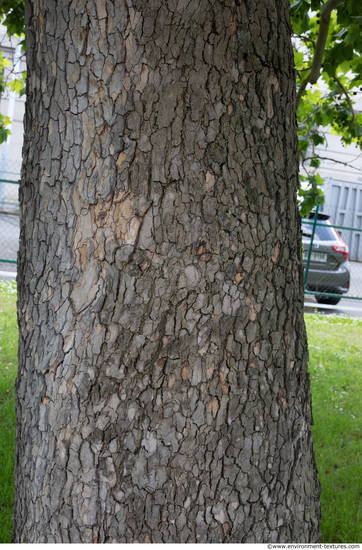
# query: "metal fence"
x,y
9,182
9,201
9,223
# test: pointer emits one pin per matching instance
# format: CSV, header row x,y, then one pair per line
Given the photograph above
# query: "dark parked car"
x,y
329,268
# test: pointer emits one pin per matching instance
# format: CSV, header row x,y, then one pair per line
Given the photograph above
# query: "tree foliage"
x,y
328,46
4,120
12,17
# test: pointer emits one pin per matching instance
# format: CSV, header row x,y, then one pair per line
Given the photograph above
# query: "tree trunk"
x,y
163,393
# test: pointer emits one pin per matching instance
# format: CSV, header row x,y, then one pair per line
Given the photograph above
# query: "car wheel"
x,y
327,300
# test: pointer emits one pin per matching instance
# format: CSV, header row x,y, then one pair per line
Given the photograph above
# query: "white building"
x,y
341,169
11,104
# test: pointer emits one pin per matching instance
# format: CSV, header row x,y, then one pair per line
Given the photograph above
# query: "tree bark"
x,y
163,393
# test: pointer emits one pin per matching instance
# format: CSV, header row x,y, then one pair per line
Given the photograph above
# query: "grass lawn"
x,y
335,347
335,365
8,367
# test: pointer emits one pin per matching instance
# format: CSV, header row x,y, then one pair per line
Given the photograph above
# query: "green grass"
x,y
8,367
335,365
335,345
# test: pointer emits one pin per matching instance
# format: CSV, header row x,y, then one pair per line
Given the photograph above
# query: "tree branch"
x,y
315,69
347,97
333,160
306,39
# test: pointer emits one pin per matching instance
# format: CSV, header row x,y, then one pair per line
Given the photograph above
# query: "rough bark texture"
x,y
163,393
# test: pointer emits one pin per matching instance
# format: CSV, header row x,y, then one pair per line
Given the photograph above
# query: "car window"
x,y
306,230
323,232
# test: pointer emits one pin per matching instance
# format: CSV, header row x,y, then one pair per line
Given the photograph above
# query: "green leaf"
x,y
303,145
17,86
315,162
353,35
316,5
317,139
299,6
4,62
4,132
355,129
298,60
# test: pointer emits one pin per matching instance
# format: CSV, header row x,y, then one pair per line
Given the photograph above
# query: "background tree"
x,y
328,46
162,392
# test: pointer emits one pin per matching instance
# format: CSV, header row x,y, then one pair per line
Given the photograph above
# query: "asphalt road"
x,y
9,243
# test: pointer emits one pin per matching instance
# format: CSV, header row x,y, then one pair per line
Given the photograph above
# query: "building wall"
x,y
342,170
13,106
343,202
